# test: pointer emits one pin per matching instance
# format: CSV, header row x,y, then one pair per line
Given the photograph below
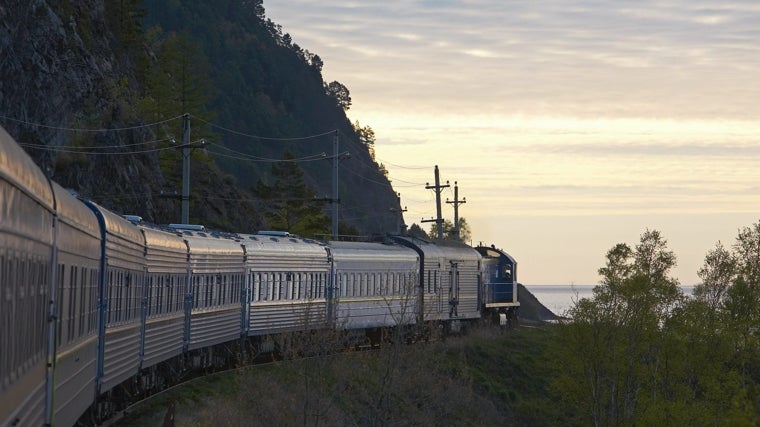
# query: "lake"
x,y
559,298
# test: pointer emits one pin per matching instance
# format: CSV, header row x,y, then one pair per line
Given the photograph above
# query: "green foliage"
x,y
485,378
640,353
450,233
265,84
416,231
289,202
124,17
340,94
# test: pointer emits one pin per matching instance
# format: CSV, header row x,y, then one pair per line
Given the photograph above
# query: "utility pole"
x,y
335,199
456,202
186,169
438,188
186,147
400,217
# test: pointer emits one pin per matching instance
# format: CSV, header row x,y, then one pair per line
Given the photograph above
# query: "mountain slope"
x,y
80,85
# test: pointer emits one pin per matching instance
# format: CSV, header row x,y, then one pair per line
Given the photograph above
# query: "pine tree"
x,y
288,203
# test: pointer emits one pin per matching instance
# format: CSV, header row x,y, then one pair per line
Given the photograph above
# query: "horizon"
x,y
568,126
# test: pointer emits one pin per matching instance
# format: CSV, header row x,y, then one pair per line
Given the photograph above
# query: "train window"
x,y
119,295
193,291
208,291
69,302
149,295
255,280
128,291
81,306
226,293
172,292
169,288
94,300
61,280
159,304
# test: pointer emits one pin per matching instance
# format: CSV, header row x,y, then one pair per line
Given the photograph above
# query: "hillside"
x,y
485,378
95,92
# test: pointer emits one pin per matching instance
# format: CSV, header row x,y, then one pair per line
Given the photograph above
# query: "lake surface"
x,y
559,298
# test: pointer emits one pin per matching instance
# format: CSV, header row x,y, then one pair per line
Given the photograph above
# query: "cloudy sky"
x,y
569,126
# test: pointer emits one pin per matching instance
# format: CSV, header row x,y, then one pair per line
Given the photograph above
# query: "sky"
x,y
569,126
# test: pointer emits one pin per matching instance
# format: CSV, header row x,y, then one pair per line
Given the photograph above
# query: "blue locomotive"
x,y
96,307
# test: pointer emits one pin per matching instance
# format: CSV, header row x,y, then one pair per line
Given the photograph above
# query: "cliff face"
x,y
58,72
73,87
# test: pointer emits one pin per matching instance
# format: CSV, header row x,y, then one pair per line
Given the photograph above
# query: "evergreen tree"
x,y
416,231
288,203
449,231
340,94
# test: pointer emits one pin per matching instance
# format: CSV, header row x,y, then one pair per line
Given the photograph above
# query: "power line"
x,y
404,167
247,135
28,123
252,158
92,153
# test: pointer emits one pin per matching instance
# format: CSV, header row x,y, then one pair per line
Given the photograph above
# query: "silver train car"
x,y
376,285
287,282
96,308
449,281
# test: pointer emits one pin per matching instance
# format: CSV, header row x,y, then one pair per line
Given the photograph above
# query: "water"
x,y
559,298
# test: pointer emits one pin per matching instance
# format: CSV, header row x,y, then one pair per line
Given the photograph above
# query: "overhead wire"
x,y
26,122
252,158
268,138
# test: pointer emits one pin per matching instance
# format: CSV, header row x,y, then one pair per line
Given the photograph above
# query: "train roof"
x,y
449,248
368,249
116,224
281,243
74,212
206,243
493,252
157,238
18,168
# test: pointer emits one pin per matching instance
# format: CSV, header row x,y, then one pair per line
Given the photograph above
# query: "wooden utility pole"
x,y
186,169
456,202
186,146
438,188
335,198
400,217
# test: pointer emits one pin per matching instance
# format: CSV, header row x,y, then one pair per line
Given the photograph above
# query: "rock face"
x,y
56,65
531,309
58,73
64,67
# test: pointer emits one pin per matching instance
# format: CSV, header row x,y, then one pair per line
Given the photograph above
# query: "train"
x,y
97,308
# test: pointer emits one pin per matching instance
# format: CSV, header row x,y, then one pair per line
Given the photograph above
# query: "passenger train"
x,y
96,307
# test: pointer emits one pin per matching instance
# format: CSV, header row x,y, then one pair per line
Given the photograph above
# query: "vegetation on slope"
x,y
638,352
478,379
96,91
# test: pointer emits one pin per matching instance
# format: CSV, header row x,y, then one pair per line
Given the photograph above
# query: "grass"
x,y
484,378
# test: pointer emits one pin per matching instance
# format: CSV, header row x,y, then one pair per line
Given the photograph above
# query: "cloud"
x,y
648,58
